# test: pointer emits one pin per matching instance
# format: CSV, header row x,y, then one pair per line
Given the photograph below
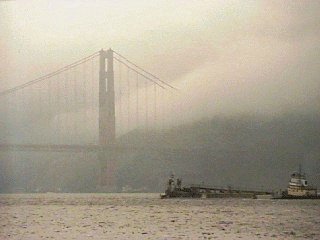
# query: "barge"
x,y
298,188
176,190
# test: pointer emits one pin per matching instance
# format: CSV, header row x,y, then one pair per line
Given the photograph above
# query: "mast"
x,y
300,169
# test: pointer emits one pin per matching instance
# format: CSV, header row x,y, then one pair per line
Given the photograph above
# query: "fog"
x,y
245,62
234,57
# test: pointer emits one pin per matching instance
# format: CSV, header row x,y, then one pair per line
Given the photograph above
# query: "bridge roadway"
x,y
91,148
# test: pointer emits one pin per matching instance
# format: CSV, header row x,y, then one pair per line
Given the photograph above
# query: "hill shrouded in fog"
x,y
242,151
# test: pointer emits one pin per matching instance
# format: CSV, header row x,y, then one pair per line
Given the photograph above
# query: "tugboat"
x,y
298,188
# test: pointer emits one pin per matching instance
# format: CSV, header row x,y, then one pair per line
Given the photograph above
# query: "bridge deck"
x,y
90,148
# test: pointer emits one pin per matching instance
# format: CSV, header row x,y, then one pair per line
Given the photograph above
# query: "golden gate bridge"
x,y
85,106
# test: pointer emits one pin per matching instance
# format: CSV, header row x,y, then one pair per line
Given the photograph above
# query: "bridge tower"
x,y
107,129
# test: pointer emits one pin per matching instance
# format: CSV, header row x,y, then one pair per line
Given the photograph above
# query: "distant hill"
x,y
244,151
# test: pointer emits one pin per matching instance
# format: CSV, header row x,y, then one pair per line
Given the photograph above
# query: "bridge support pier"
x,y
108,167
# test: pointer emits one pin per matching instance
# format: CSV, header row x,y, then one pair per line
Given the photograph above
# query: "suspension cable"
x,y
120,95
137,100
146,103
50,75
128,99
165,83
139,73
155,104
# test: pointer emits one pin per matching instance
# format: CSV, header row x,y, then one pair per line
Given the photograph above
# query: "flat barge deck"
x,y
201,191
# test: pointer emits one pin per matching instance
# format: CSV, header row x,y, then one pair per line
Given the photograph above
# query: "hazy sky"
x,y
225,56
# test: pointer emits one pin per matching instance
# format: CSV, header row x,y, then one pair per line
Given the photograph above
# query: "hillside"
x,y
244,151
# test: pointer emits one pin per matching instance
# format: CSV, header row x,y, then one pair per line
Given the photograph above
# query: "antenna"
x,y
299,168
